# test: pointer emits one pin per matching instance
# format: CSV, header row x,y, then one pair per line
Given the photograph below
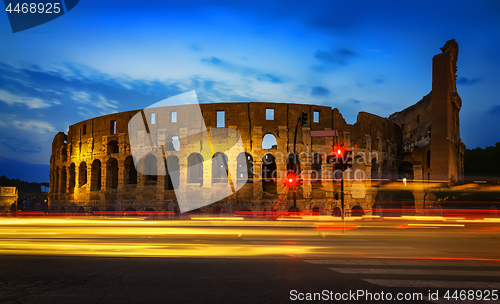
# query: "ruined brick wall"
x,y
431,127
92,166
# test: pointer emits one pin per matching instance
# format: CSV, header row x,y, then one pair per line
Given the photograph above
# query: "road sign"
x,y
323,133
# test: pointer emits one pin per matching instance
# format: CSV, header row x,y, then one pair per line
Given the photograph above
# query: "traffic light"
x,y
348,159
291,180
335,158
304,118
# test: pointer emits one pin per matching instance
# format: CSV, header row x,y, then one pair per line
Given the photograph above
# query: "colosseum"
x,y
92,167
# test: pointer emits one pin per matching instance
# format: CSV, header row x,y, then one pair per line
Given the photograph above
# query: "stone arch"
x,y
269,141
64,153
173,173
219,168
404,199
316,169
130,177
405,170
95,175
151,168
63,179
57,180
315,210
357,211
269,174
244,168
71,181
112,147
337,212
375,174
112,173
428,159
195,168
377,209
82,174
385,169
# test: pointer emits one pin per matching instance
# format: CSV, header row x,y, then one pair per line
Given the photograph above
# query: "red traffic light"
x,y
291,180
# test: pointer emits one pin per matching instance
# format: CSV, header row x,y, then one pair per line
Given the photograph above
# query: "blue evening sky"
x,y
111,56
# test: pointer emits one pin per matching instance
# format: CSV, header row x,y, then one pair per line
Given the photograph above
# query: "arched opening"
x,y
357,211
95,175
112,173
63,179
173,173
82,174
269,142
149,209
375,169
385,169
219,168
315,211
337,212
71,181
316,169
404,200
428,159
130,171
172,143
195,169
151,168
57,180
269,174
377,210
244,168
406,170
64,153
112,147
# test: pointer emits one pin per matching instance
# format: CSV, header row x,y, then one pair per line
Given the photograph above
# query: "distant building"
x,y
8,196
92,165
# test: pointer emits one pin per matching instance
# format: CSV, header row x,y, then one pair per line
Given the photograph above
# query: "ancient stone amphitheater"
x,y
92,166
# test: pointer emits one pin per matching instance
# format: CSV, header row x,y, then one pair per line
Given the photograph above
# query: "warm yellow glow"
x,y
217,218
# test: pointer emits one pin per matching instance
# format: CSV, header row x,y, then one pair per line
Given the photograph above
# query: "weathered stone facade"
x,y
92,165
8,196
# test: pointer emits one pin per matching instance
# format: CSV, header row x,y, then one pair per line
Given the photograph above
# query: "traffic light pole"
x,y
294,160
342,198
342,194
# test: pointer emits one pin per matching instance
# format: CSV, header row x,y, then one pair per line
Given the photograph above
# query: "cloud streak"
x,y
242,70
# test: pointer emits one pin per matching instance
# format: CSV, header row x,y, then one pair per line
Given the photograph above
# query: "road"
x,y
238,261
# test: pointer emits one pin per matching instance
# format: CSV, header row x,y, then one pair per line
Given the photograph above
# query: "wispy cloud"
x,y
36,126
320,91
30,102
20,146
468,81
243,70
338,56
